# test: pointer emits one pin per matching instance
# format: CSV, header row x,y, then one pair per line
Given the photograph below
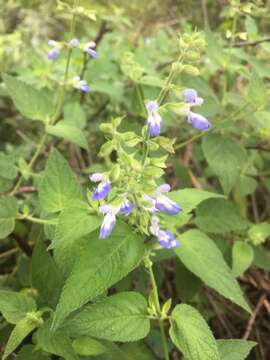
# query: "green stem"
x,y
31,163
59,106
33,219
158,309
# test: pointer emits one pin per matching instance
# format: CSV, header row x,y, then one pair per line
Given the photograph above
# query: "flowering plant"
x,y
113,246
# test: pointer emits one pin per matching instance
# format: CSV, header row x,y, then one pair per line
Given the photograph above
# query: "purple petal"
x,y
102,190
92,53
96,177
53,54
154,123
107,225
127,207
198,121
167,240
190,96
163,203
151,106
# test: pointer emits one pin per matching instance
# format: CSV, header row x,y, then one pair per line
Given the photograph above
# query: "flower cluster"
x,y
156,202
88,48
191,99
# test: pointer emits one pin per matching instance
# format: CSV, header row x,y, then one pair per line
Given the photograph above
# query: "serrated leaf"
x,y
234,349
191,334
202,257
58,185
45,276
56,343
74,115
32,103
226,157
219,216
14,306
86,346
99,265
121,317
23,328
74,223
68,132
7,168
8,212
242,257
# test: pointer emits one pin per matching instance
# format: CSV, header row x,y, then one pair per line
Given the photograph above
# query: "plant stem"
x,y
59,106
158,308
31,163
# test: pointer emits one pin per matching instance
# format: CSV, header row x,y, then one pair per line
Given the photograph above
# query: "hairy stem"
x,y
158,309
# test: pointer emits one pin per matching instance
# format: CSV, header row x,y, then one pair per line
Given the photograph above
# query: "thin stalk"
x,y
59,106
34,219
158,308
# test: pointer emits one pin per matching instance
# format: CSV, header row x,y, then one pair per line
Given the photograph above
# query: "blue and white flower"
x,y
81,84
160,202
191,97
127,207
165,238
103,188
109,220
154,120
198,121
90,49
110,213
55,51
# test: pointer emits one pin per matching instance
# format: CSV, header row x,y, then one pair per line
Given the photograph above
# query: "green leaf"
x,y
137,351
8,212
261,257
214,49
257,92
121,317
74,223
74,115
56,343
45,276
32,103
7,168
202,257
23,328
219,216
28,352
258,233
234,349
242,257
58,185
99,265
191,334
226,157
14,306
68,132
189,199
87,346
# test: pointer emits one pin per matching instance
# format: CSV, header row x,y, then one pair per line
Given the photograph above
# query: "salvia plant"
x,y
91,287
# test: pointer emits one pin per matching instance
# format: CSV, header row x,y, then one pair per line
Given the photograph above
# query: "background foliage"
x,y
65,294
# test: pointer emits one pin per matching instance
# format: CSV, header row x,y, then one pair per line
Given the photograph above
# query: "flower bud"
x,y
191,70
